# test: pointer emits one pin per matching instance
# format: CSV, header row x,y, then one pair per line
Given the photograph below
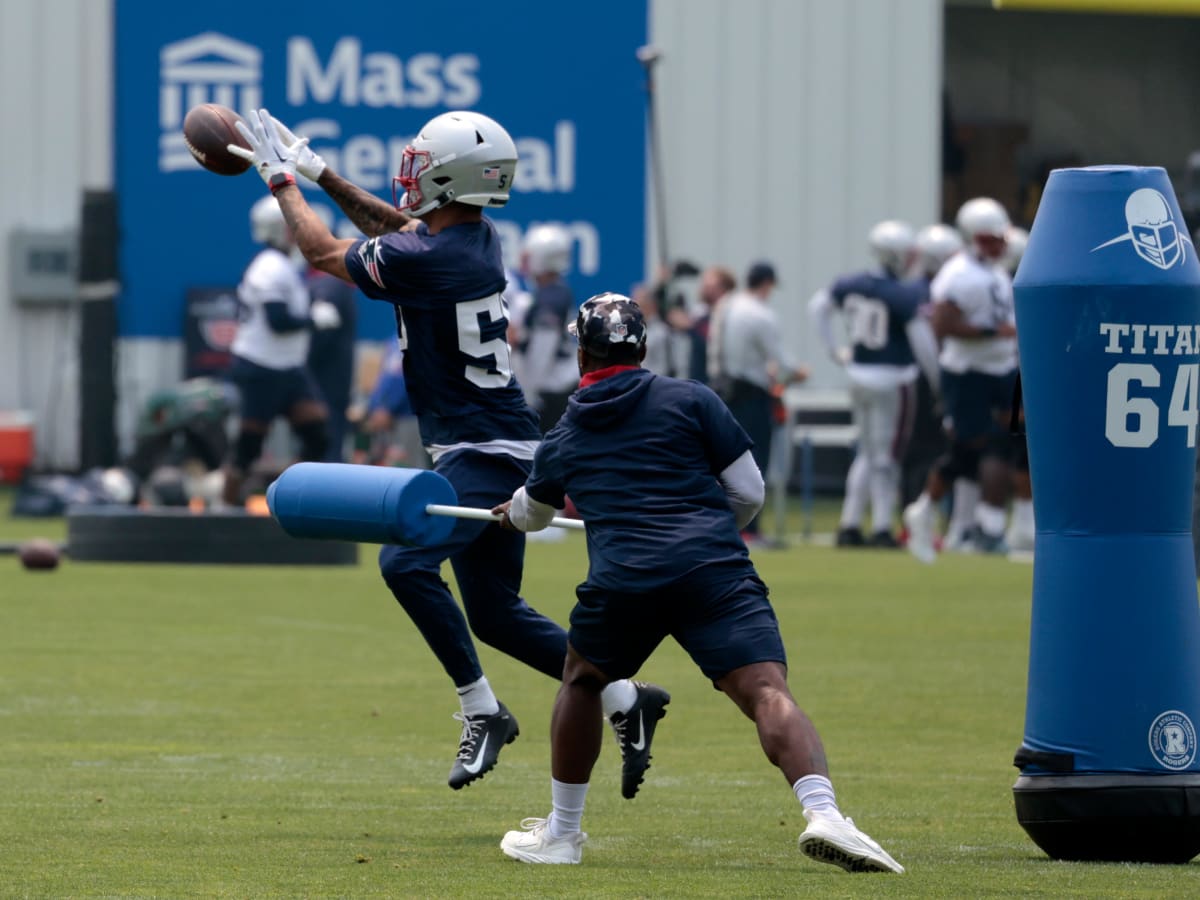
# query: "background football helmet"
x,y
267,225
547,248
936,244
1015,241
984,225
891,243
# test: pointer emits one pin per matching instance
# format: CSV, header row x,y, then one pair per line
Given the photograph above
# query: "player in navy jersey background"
x,y
664,477
887,339
548,375
331,355
436,259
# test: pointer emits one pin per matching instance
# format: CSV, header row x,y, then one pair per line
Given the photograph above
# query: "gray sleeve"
x,y
743,485
767,333
820,313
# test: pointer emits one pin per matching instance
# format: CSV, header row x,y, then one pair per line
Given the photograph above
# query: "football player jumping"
x,y
436,259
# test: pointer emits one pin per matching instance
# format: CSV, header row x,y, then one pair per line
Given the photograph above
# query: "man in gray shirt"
x,y
747,361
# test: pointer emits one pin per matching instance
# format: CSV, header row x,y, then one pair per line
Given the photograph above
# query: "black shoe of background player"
x,y
635,731
849,537
884,539
479,746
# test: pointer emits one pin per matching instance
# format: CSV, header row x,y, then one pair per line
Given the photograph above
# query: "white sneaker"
x,y
836,840
536,845
1019,540
919,523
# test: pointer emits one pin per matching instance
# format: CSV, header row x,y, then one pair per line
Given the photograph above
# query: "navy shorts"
x,y
268,393
977,404
723,623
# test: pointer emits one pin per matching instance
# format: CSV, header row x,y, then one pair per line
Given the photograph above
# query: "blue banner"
x,y
562,78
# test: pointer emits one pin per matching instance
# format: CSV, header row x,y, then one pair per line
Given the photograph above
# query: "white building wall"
x,y
788,128
56,98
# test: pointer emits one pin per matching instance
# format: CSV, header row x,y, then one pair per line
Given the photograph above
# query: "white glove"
x,y
273,161
308,164
324,315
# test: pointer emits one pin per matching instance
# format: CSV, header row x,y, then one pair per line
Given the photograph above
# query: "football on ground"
x,y
208,129
39,553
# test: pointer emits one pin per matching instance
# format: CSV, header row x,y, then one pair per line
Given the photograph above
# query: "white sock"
x,y
962,510
618,696
477,698
922,503
568,800
855,503
815,793
1022,516
885,488
991,519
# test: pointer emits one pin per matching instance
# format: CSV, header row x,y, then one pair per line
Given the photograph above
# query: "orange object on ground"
x,y
16,445
256,505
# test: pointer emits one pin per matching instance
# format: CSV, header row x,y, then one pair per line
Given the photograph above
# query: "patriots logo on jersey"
x,y
370,254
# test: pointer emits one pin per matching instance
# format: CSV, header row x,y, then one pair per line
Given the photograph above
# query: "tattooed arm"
x,y
369,214
316,242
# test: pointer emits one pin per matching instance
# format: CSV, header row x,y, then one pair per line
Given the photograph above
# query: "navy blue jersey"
x,y
879,307
553,306
446,288
639,455
331,350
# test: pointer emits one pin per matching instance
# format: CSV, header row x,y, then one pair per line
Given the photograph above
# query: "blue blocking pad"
x,y
1108,323
1108,318
368,504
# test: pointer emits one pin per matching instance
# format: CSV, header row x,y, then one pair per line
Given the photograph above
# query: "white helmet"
x,y
982,217
892,243
936,244
267,225
984,225
458,157
1015,240
547,248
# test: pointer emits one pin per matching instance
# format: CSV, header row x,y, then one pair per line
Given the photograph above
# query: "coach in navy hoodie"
x,y
664,478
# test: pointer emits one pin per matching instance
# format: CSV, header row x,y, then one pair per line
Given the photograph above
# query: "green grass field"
x,y
172,731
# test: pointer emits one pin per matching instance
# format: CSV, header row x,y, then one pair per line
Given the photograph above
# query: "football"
x,y
39,553
207,130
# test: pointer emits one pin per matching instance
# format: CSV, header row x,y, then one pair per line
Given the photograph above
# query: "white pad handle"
x,y
470,512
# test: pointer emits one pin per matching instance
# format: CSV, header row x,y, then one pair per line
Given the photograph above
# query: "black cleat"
x,y
479,746
884,539
635,731
849,537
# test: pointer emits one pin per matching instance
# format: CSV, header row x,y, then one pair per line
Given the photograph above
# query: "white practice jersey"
x,y
270,277
983,291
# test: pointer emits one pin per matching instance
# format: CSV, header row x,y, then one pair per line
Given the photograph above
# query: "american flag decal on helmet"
x,y
369,251
491,172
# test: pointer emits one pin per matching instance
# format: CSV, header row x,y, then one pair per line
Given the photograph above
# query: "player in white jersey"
x,y
973,315
270,350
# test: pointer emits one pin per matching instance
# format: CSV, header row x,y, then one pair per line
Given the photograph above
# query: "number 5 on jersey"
x,y
470,341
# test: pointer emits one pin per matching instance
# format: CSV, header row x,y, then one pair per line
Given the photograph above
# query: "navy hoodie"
x,y
639,455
